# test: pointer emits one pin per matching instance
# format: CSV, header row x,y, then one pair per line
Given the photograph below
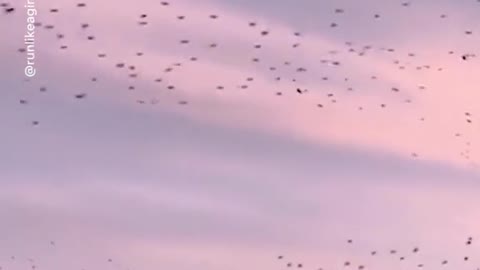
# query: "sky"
x,y
241,175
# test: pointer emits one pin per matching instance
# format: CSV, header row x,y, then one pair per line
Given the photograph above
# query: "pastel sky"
x,y
239,176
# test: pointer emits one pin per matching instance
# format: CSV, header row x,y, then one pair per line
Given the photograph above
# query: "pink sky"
x,y
240,175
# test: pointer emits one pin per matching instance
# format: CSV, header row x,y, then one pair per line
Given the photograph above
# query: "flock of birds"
x,y
14,261
288,263
295,71
348,264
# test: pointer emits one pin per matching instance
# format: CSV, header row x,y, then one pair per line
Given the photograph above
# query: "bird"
x,y
9,10
300,91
